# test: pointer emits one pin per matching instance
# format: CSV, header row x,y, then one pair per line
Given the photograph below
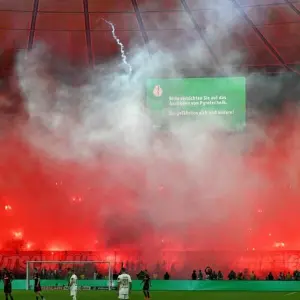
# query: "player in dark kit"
x,y
7,279
37,286
146,286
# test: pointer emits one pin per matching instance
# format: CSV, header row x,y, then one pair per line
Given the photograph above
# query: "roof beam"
x,y
140,22
33,22
88,31
260,35
293,7
200,32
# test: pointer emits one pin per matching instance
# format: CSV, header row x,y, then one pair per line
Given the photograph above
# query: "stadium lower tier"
x,y
178,263
173,285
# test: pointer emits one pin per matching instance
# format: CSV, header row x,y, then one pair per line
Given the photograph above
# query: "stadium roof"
x,y
268,33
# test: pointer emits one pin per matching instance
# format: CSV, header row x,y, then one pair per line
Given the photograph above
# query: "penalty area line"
x,y
290,294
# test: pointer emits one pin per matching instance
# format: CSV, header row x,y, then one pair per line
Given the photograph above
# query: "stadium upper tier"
x,y
264,32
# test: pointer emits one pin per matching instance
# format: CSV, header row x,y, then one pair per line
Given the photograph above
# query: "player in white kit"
x,y
73,286
124,285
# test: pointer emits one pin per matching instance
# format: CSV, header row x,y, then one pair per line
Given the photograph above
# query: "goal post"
x,y
55,275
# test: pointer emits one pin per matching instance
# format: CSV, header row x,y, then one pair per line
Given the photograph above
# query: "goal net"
x,y
55,275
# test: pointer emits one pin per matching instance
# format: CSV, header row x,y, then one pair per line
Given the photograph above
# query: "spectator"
x,y
208,272
166,276
115,274
220,275
252,276
281,276
270,276
289,276
194,275
240,276
232,275
296,275
95,275
200,275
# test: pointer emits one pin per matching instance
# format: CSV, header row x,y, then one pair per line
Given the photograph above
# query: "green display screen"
x,y
211,100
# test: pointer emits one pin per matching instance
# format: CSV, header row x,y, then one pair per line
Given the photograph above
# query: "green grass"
x,y
96,295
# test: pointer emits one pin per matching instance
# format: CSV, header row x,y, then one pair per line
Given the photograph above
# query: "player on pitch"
x,y
146,286
37,285
73,285
124,285
7,279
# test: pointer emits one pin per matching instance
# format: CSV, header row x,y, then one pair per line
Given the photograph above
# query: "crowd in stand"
x,y
92,272
210,274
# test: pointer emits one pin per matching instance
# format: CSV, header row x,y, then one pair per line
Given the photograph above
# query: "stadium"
x,y
155,136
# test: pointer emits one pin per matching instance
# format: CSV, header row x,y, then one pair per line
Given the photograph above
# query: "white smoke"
x,y
107,117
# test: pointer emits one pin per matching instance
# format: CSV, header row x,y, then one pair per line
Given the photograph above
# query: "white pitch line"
x,y
290,294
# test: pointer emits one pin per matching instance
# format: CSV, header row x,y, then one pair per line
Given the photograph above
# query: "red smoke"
x,y
50,204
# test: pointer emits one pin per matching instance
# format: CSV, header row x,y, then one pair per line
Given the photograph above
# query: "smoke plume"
x,y
89,170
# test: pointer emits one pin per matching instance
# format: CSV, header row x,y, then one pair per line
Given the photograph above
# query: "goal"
x,y
55,275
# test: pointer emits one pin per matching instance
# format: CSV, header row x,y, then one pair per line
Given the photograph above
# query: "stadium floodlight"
x,y
92,275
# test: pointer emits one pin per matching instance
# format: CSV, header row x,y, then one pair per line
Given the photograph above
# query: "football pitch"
x,y
97,295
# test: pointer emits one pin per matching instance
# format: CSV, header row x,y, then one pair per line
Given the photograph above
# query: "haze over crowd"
x,y
88,169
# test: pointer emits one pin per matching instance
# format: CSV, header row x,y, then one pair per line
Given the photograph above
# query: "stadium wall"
x,y
179,285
